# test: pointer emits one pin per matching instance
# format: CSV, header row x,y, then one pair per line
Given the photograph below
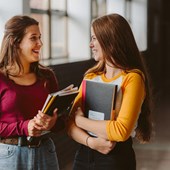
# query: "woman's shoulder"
x,y
91,75
2,76
46,70
135,75
46,73
4,80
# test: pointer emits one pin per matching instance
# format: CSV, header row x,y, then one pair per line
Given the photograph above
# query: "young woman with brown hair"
x,y
118,62
24,86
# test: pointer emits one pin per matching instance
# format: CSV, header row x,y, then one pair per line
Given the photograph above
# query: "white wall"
x,y
79,29
139,23
9,8
138,18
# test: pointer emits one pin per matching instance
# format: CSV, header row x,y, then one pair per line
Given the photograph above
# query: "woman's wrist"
x,y
87,141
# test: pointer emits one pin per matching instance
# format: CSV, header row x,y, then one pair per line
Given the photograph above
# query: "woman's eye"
x,y
93,38
33,38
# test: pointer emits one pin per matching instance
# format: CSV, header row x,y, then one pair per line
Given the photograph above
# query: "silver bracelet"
x,y
87,140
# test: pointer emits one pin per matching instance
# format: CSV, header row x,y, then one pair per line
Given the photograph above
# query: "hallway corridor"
x,y
156,154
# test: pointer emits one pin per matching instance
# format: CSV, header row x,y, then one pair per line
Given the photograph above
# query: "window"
x,y
130,10
98,8
52,15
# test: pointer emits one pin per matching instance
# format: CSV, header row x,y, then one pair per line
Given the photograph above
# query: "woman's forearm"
x,y
98,127
99,144
78,134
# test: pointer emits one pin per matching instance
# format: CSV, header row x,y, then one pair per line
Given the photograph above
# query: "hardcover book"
x,y
99,99
62,100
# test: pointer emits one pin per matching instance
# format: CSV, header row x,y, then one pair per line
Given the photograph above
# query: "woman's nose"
x,y
39,42
91,45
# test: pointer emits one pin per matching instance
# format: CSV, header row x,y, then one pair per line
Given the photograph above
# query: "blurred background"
x,y
65,27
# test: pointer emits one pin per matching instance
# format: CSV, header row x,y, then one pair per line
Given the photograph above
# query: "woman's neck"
x,y
26,69
111,71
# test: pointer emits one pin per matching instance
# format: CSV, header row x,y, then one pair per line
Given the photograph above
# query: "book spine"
x,y
83,94
115,97
49,104
112,116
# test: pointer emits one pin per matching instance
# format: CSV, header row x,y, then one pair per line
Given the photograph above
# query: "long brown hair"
x,y
14,32
119,48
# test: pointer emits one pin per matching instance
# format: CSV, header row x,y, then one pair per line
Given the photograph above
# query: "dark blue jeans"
x,y
122,157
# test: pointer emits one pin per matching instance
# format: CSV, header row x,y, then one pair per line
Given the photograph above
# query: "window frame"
x,y
50,13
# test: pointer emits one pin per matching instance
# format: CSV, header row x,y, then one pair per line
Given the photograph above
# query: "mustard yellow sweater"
x,y
131,93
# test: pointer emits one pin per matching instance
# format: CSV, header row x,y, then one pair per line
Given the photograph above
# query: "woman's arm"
x,y
14,129
98,127
79,135
99,144
121,128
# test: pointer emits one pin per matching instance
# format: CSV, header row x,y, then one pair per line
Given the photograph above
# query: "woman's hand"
x,y
44,121
79,113
32,130
100,144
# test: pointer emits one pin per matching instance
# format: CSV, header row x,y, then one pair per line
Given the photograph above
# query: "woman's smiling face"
x,y
30,45
95,46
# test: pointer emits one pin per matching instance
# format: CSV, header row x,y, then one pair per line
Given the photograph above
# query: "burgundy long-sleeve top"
x,y
20,103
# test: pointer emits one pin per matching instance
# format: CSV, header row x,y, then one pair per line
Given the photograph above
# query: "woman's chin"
x,y
96,58
36,58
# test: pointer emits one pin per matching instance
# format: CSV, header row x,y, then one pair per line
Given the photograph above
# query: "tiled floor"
x,y
156,154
